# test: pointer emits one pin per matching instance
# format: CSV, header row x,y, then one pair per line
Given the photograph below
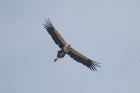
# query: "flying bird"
x,y
66,48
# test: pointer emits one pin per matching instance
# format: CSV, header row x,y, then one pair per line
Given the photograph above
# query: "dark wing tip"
x,y
48,24
94,65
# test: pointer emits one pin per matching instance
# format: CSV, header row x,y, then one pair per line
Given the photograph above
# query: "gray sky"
x,y
106,31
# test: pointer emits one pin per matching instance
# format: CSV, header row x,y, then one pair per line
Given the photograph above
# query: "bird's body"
x,y
67,49
61,53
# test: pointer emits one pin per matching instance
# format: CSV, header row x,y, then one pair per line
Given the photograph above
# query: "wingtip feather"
x,y
48,24
94,65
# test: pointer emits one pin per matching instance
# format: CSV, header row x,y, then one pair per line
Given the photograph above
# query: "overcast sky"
x,y
106,31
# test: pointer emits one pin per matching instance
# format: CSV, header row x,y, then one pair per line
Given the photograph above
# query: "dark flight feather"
x,y
54,34
82,59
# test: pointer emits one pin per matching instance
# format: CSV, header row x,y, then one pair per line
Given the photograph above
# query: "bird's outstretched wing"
x,y
83,59
54,34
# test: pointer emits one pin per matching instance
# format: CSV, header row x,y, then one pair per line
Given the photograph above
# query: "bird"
x,y
66,48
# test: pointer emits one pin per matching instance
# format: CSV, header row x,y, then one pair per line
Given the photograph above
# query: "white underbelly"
x,y
66,49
